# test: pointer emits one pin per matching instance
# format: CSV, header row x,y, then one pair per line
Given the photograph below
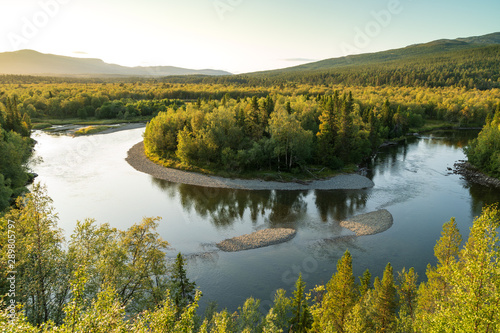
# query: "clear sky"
x,y
235,35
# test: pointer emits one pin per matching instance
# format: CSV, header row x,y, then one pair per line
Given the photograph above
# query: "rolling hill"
x,y
29,62
411,52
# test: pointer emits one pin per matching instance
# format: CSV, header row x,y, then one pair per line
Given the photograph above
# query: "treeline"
x,y
91,99
15,149
275,132
484,152
117,281
66,102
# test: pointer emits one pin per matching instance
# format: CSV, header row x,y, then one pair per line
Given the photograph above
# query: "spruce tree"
x,y
182,289
340,297
385,301
302,319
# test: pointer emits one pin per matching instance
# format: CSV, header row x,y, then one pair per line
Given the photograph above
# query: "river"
x,y
88,177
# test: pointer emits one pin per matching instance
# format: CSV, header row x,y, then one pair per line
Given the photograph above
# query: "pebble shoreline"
x,y
138,160
257,239
370,223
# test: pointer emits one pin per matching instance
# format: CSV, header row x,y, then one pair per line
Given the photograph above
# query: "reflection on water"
x,y
223,207
411,179
338,205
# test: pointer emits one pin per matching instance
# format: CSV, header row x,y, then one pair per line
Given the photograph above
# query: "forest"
x,y
484,152
267,134
107,280
15,150
375,114
296,121
282,133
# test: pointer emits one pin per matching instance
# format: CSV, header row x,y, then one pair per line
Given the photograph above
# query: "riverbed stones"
x,y
472,174
370,223
138,160
257,239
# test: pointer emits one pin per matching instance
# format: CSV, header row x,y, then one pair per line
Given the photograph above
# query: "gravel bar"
x,y
370,223
257,239
138,160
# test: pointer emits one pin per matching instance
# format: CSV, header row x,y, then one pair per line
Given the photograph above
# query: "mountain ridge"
x,y
30,62
432,47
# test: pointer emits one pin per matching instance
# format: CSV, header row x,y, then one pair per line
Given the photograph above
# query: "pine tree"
x,y
182,289
365,282
339,299
470,300
446,251
385,305
407,291
302,319
328,132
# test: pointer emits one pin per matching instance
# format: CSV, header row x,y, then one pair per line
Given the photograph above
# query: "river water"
x,y
88,177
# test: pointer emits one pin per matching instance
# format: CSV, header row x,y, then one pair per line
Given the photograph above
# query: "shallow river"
x,y
88,177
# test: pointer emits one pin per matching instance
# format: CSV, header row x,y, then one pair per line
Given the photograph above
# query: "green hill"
x,y
465,62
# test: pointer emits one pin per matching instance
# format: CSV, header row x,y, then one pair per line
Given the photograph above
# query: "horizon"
x,y
234,35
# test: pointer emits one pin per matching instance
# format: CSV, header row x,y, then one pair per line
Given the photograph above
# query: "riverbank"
x,y
474,175
138,160
261,238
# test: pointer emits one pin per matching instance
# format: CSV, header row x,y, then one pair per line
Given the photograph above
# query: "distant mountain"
x,y
412,51
29,62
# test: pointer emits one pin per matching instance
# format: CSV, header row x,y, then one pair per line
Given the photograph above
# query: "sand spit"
x,y
138,160
370,223
257,239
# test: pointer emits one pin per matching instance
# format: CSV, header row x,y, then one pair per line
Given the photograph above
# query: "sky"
x,y
235,35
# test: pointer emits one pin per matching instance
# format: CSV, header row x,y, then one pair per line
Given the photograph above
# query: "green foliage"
x,y
469,284
384,302
301,320
277,320
275,133
15,149
407,291
484,152
249,317
338,300
40,262
132,262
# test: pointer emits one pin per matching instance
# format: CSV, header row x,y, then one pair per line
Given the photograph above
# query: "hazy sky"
x,y
235,35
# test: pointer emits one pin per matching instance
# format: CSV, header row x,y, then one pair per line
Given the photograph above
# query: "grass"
x,y
91,130
47,122
433,125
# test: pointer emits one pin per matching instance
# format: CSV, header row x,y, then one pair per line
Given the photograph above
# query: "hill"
x,y
437,47
29,62
470,63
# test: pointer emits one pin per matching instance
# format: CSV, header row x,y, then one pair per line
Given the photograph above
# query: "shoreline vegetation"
x,y
138,160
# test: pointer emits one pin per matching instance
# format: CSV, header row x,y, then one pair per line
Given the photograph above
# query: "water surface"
x,y
88,177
